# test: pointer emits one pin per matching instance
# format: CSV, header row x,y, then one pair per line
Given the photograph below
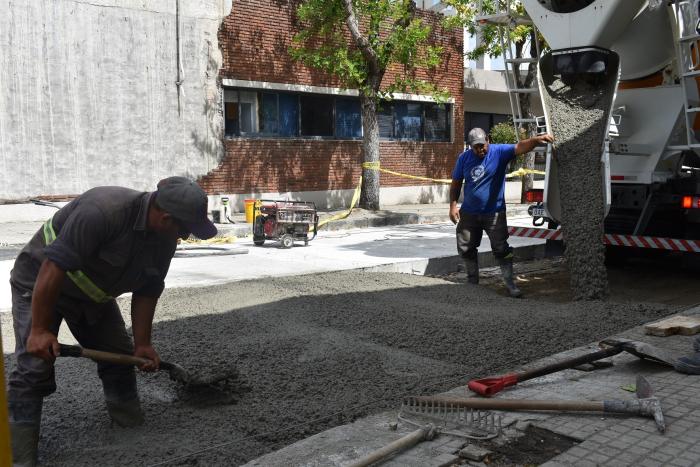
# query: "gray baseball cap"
x,y
476,136
186,201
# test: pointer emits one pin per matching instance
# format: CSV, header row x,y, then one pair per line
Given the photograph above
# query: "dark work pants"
x,y
95,326
470,229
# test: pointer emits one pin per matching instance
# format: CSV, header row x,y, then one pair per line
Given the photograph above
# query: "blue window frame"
x,y
348,118
254,113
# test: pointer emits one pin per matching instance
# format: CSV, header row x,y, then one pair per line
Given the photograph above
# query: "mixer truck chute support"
x,y
650,158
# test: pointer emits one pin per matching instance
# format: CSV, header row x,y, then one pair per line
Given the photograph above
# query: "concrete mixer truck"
x,y
636,64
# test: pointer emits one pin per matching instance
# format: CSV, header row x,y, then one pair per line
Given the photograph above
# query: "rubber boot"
x,y
508,278
472,266
691,364
25,422
122,400
127,413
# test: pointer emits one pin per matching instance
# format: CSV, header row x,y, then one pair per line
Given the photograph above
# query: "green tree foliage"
x,y
503,133
357,41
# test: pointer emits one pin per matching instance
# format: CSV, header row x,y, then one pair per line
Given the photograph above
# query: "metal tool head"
x,y
452,420
176,372
651,404
641,349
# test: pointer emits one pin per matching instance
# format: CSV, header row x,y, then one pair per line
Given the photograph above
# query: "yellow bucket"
x,y
249,210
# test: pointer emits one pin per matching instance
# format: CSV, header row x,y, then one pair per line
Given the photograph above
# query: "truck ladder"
x,y
506,20
685,20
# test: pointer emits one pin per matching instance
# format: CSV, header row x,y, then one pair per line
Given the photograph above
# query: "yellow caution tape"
x,y
376,166
343,215
213,240
523,171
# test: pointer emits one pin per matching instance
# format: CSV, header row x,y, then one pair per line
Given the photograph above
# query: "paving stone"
x,y
597,457
443,460
683,462
473,452
661,457
649,463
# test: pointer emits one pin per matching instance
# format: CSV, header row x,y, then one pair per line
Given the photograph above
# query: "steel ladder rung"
x,y
524,90
522,60
692,37
681,147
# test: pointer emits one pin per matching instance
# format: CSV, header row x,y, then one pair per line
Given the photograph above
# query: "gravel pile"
x,y
577,114
313,352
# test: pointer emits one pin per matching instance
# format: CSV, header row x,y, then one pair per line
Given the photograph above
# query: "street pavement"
x,y
413,248
420,240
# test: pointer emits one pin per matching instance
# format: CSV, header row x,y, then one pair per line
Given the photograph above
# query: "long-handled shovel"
x,y
176,372
492,385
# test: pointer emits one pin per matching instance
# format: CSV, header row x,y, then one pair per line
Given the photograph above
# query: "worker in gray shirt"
x,y
107,241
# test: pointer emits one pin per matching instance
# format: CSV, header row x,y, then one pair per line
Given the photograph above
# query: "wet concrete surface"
x,y
313,352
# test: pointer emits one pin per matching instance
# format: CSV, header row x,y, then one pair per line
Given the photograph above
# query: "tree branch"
x,y
362,43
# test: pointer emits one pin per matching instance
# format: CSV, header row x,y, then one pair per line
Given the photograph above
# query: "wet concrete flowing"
x,y
578,120
312,352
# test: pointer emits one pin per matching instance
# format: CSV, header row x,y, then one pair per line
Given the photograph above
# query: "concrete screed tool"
x,y
646,405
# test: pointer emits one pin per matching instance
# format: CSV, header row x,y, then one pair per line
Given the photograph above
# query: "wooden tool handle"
x,y
569,363
102,356
400,444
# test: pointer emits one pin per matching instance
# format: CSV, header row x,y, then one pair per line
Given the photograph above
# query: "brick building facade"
x,y
291,129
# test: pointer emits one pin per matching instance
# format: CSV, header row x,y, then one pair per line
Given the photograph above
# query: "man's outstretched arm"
x,y
529,144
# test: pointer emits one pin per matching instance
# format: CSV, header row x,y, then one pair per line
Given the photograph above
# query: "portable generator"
x,y
286,221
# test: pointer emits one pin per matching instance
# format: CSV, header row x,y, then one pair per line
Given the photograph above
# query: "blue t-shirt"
x,y
484,179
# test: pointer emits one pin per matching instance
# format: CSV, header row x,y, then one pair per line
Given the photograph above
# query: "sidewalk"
x,y
597,439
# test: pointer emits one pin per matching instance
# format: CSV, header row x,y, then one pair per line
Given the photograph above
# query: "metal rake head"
x,y
452,420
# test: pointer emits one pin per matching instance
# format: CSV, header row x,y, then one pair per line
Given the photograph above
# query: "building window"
x,y
253,113
437,122
482,120
348,118
316,115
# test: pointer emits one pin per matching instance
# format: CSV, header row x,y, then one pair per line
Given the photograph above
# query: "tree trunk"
x,y
369,196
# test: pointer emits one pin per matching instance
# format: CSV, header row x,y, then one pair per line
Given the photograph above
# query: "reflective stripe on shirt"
x,y
79,278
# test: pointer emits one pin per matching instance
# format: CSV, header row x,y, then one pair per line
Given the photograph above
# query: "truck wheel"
x,y
257,241
287,241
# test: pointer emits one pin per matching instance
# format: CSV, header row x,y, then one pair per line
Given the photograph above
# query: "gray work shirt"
x,y
104,234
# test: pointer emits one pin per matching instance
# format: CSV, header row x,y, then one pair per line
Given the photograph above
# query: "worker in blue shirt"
x,y
482,171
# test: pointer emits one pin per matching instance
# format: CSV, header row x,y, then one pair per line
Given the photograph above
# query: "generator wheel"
x,y
259,231
287,241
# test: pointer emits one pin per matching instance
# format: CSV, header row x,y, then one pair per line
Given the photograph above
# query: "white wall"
x,y
88,94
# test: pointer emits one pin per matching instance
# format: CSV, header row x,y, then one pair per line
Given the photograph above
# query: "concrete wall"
x,y
88,94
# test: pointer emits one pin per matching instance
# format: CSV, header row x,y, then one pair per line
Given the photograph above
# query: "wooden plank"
x,y
684,325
